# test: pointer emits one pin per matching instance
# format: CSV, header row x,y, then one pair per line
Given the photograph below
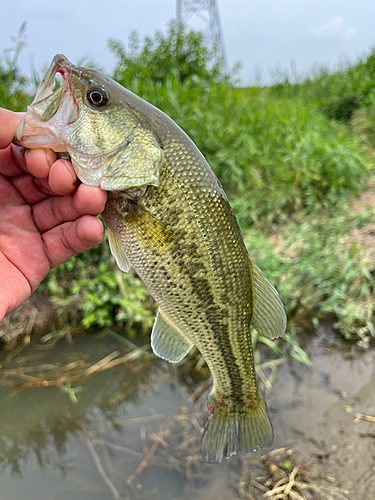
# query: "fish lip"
x,y
30,139
28,131
59,64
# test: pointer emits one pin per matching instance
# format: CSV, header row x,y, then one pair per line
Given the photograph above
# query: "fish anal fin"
x,y
167,341
117,252
269,318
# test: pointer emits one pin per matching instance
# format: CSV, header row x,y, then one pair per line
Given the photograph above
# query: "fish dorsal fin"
x,y
167,341
269,318
136,162
117,252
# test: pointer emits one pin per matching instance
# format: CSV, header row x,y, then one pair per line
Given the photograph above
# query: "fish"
x,y
168,218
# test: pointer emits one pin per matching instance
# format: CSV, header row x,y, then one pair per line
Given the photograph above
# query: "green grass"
x,y
289,158
338,94
318,272
14,93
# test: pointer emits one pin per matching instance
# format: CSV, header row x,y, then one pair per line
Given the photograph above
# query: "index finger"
x,y
8,123
15,160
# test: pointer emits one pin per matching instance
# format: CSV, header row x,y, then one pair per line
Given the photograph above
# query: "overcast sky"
x,y
262,34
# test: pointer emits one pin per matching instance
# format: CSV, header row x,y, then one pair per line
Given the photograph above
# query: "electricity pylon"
x,y
208,12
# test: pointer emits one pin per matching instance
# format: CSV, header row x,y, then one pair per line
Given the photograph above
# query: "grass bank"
x,y
291,158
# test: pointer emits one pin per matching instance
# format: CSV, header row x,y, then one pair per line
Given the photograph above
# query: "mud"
x,y
341,447
34,318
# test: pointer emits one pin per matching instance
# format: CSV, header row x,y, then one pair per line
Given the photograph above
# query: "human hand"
x,y
46,215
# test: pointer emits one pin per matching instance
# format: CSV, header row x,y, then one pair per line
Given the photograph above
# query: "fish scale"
x,y
216,271
168,217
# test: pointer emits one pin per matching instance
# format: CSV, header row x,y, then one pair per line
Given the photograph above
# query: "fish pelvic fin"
x,y
117,252
269,318
232,430
167,341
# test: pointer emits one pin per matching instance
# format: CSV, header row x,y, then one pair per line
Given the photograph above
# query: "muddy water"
x,y
52,448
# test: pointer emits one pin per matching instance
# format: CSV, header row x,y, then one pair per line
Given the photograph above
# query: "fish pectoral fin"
x,y
167,341
269,318
150,230
117,252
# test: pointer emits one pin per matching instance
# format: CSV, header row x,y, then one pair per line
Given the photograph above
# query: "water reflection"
x,y
123,415
135,431
40,422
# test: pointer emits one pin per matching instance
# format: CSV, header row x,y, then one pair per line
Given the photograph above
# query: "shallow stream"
x,y
133,431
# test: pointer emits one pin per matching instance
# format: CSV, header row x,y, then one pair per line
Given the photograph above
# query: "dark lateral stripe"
x,y
231,363
214,316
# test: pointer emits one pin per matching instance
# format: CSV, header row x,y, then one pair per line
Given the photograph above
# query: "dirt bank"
x,y
35,317
341,448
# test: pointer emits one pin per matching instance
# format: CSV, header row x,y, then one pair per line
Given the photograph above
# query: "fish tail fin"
x,y
230,431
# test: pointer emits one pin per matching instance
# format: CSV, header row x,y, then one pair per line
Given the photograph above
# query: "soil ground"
x,y
342,446
366,237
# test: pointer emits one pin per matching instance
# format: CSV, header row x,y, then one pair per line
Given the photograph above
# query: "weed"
x,y
288,156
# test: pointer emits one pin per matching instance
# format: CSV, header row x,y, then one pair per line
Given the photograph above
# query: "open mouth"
x,y
54,106
59,67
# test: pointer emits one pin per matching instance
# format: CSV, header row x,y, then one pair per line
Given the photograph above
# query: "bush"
x,y
340,93
13,85
288,157
180,55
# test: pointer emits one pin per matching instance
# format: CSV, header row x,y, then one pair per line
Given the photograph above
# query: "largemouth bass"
x,y
168,217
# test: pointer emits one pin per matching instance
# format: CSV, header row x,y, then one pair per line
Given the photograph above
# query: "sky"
x,y
264,35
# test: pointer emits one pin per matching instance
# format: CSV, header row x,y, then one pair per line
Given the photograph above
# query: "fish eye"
x,y
97,97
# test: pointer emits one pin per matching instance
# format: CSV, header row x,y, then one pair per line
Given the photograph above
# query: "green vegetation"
x,y
13,85
290,158
340,94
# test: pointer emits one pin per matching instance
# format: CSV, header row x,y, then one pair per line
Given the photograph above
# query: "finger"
x,y
55,210
62,178
64,241
40,161
30,189
8,166
8,123
36,162
9,195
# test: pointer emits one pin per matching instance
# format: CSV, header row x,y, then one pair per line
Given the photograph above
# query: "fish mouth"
x,y
59,65
50,109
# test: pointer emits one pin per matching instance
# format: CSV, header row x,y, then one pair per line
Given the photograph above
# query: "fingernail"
x,y
51,158
18,153
69,167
